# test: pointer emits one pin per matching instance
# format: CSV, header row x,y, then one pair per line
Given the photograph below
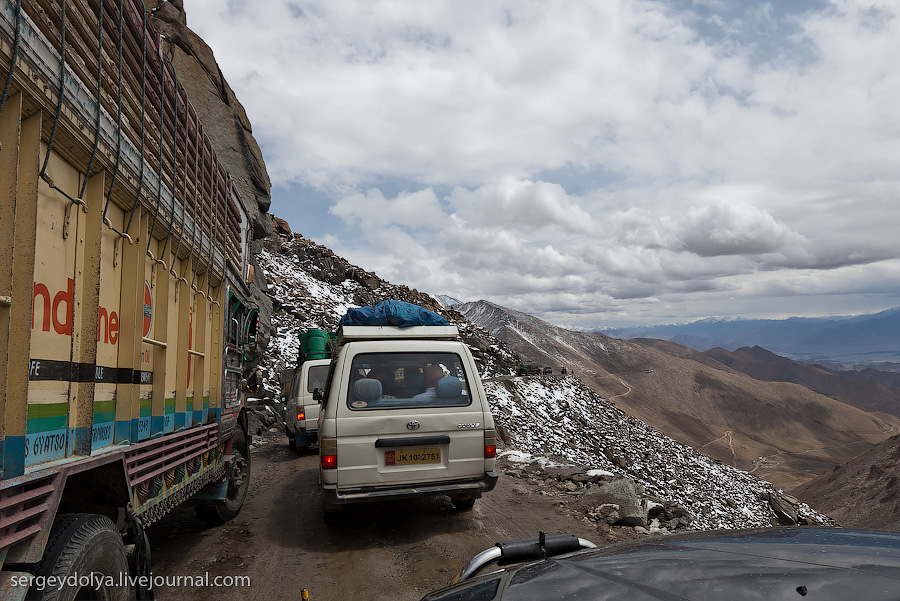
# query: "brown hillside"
x,y
869,389
862,493
782,432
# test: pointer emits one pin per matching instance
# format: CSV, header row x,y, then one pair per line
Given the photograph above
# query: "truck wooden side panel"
x,y
124,325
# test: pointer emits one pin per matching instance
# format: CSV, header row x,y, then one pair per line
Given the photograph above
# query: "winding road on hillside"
x,y
730,438
763,461
399,550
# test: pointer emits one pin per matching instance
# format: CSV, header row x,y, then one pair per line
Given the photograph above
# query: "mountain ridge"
x,y
870,389
727,414
861,339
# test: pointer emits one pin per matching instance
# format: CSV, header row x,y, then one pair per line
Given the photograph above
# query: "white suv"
x,y
404,415
302,418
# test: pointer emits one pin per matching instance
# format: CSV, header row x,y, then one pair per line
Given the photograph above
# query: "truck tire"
x,y
238,485
82,545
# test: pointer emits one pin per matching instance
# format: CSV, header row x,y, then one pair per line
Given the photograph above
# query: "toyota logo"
x,y
413,425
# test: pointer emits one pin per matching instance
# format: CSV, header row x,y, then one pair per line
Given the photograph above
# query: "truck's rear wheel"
x,y
238,485
86,551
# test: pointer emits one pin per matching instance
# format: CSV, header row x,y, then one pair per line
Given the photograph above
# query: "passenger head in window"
x,y
432,375
384,375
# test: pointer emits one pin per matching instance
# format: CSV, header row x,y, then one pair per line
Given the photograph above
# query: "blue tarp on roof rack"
x,y
392,313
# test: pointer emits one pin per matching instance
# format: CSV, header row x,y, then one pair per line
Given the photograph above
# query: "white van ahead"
x,y
302,419
404,415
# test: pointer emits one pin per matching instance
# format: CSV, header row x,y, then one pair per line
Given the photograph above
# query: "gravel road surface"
x,y
398,550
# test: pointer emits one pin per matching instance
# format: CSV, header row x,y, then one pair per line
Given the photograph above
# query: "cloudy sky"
x,y
591,162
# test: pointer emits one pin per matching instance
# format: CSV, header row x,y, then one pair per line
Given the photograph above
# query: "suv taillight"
x,y
490,444
328,453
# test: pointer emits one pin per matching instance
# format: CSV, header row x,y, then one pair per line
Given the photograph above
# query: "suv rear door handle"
x,y
412,441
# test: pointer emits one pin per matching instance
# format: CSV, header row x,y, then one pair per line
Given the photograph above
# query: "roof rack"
x,y
395,332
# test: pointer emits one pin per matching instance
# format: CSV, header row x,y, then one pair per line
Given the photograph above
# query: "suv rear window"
x,y
316,377
407,380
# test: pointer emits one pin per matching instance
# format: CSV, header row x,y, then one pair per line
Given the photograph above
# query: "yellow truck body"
x,y
125,327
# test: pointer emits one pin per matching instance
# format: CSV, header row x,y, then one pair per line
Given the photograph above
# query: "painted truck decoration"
x,y
125,325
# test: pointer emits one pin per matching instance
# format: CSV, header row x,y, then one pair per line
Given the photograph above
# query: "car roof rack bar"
x,y
523,550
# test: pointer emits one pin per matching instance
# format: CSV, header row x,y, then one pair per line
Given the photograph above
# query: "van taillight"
x,y
301,415
490,444
328,453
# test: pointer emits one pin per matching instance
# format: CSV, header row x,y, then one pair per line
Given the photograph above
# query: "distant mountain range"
x,y
779,430
861,340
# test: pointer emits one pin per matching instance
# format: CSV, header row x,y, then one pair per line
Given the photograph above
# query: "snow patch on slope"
x,y
561,417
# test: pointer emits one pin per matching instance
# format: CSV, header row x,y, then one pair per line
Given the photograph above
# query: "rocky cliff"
x,y
226,124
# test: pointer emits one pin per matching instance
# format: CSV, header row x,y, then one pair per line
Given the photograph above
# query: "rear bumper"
x,y
300,430
457,487
308,427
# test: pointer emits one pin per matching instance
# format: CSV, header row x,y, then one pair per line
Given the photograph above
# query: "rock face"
x,y
311,287
226,124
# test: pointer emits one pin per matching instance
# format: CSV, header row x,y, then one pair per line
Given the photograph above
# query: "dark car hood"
x,y
770,565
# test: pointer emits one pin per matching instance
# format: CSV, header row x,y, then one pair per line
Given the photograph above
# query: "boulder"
x,y
567,472
281,226
621,492
785,512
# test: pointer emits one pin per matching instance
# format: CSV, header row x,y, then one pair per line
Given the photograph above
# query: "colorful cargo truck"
x,y
125,325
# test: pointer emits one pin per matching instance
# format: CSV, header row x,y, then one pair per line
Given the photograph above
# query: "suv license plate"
x,y
412,456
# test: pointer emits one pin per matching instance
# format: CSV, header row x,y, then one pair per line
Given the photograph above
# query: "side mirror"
x,y
318,394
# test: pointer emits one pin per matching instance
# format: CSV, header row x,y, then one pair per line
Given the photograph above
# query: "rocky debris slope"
x,y
311,287
595,450
266,415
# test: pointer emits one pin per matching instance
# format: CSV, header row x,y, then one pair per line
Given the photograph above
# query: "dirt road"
x,y
397,551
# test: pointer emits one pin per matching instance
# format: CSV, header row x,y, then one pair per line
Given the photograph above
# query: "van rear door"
x,y
408,418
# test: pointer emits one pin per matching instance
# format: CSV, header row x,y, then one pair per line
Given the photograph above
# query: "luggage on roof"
x,y
392,313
